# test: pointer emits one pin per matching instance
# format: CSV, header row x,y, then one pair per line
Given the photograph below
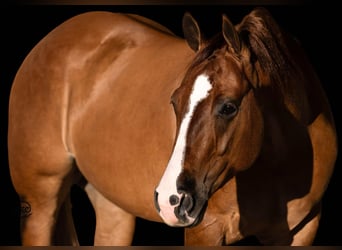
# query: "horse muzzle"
x,y
178,210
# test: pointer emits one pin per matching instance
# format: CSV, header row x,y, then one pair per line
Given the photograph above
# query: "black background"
x,y
22,26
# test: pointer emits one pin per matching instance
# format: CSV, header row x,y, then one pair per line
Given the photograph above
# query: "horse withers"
x,y
228,137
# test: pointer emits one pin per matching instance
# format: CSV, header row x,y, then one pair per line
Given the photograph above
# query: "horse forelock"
x,y
210,47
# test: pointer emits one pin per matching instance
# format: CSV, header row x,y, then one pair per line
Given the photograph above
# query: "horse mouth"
x,y
200,216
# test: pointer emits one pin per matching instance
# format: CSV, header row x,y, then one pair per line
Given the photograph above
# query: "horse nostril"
x,y
174,199
184,208
187,203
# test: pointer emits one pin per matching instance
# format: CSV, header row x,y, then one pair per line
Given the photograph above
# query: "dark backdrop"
x,y
22,26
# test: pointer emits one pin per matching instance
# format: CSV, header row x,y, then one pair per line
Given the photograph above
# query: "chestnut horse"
x,y
247,147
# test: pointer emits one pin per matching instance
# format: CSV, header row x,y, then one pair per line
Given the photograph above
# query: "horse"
x,y
228,137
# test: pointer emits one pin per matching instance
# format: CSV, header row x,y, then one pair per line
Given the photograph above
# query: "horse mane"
x,y
278,59
267,45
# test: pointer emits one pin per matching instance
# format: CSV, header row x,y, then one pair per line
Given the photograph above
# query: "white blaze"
x,y
167,185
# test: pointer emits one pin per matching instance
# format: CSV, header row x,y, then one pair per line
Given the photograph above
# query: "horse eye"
x,y
227,110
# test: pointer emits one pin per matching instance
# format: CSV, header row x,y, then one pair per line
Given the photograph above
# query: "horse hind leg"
x,y
42,181
65,232
114,226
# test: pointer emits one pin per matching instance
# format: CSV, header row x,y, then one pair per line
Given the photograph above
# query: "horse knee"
x,y
114,226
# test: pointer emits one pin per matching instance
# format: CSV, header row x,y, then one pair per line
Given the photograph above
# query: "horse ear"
x,y
231,35
191,31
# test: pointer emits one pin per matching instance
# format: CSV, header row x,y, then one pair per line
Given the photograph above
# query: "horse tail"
x,y
65,232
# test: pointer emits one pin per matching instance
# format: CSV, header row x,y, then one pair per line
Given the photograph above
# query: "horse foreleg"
x,y
305,236
114,226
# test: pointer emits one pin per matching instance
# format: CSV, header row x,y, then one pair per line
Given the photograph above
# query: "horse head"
x,y
220,126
